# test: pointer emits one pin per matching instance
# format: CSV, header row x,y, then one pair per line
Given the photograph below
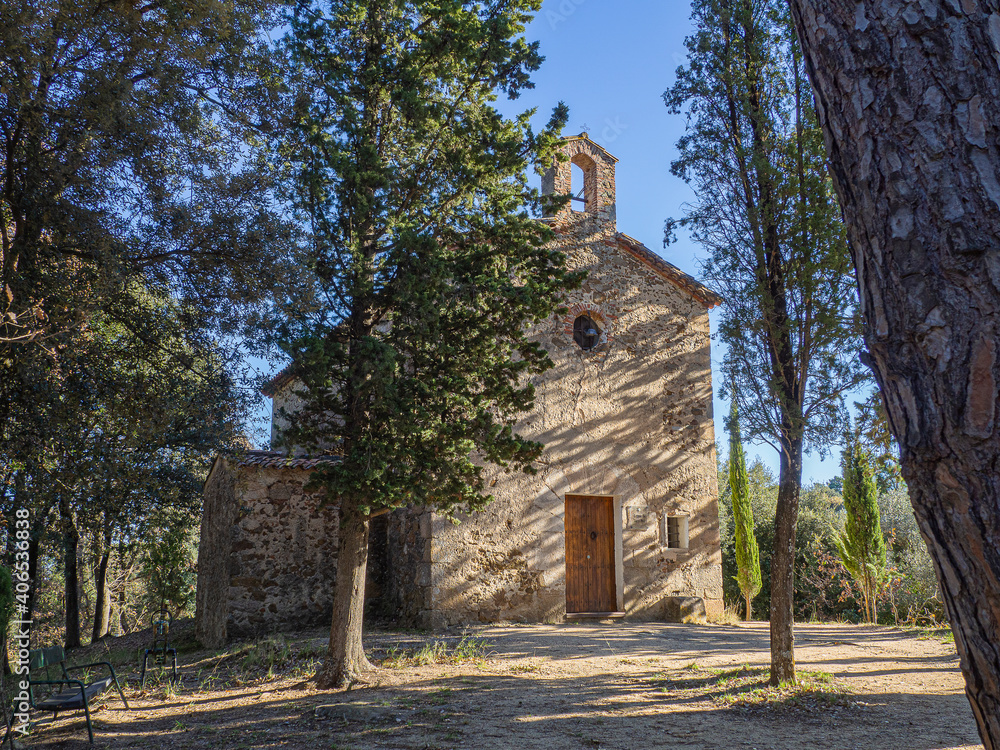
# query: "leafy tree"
x,y
428,261
861,546
747,556
168,565
131,166
767,215
140,410
128,160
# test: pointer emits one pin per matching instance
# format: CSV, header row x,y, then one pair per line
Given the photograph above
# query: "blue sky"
x,y
610,62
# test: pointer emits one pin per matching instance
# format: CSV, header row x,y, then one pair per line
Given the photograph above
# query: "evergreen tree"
x,y
429,265
861,545
767,214
747,556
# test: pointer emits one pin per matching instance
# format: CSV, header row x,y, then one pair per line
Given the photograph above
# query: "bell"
x,y
591,332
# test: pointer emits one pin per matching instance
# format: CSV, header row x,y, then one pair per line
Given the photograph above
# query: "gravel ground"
x,y
616,686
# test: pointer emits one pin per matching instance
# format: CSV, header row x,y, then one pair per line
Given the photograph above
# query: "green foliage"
x,y
427,257
138,236
912,586
823,588
767,214
747,555
878,441
468,649
747,687
168,564
428,262
271,655
763,493
120,165
861,546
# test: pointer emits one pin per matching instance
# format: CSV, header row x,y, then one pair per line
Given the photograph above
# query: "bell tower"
x,y
596,201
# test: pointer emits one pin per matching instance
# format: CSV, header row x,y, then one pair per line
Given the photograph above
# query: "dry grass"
x,y
747,687
436,652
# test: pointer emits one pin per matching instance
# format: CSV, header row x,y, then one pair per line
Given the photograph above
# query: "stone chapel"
x,y
621,520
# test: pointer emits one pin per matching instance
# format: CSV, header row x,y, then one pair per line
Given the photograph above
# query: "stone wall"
x,y
407,596
283,562
219,513
267,561
631,418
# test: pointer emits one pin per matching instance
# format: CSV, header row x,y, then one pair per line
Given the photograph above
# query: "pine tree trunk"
x,y
102,606
748,609
908,98
345,660
71,535
783,563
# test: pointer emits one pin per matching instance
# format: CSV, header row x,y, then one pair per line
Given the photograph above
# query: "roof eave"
x,y
668,271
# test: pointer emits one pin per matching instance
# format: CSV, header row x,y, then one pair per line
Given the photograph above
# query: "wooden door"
x,y
590,554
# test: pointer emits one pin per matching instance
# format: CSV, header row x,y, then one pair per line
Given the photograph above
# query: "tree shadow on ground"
x,y
535,693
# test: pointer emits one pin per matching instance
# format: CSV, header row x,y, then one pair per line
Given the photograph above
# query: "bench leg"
x,y
86,710
119,687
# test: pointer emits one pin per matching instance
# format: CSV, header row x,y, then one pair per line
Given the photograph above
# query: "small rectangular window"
x,y
675,532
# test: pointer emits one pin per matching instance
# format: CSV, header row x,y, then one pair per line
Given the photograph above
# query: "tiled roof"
x,y
285,375
669,271
278,460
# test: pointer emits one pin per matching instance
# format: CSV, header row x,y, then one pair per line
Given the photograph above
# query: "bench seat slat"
x,y
71,698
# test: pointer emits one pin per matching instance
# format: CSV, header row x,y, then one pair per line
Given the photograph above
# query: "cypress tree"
x,y
747,555
861,544
429,263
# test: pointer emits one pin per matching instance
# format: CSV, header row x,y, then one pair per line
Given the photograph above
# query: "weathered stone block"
x,y
683,608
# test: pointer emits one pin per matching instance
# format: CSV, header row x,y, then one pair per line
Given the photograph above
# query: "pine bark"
x,y
346,662
908,97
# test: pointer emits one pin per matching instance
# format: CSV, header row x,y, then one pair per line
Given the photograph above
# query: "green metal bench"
x,y
78,693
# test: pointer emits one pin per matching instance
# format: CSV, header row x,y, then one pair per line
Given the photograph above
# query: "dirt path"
x,y
622,687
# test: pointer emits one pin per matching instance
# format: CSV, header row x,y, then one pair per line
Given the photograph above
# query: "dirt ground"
x,y
614,686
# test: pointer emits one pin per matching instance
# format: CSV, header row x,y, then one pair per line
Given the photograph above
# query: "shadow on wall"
x,y
631,418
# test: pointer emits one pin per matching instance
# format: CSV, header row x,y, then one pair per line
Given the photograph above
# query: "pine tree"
x,y
923,223
861,544
747,555
429,266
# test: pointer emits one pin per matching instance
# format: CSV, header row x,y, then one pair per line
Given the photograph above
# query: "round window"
x,y
586,333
